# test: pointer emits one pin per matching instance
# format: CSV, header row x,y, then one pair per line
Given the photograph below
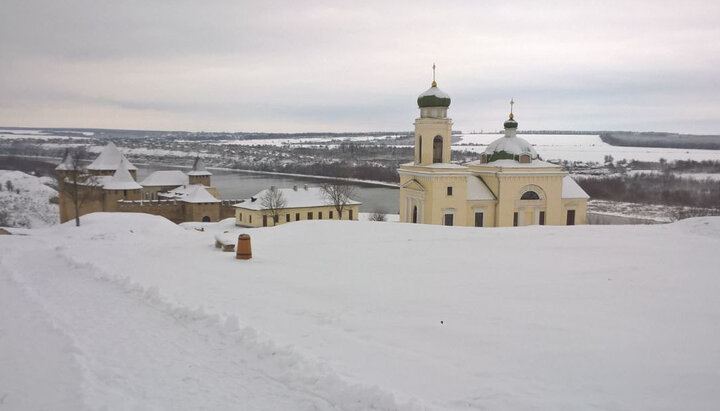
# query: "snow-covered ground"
x,y
28,204
130,311
586,148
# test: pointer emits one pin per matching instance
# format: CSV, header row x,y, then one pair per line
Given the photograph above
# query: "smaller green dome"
x,y
433,97
510,123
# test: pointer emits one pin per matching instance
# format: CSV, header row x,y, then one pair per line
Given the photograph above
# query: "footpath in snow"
x,y
133,312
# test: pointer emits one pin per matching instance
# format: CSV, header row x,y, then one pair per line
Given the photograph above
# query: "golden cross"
x,y
511,105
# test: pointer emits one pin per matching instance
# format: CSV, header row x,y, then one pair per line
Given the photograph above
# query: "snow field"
x,y
600,317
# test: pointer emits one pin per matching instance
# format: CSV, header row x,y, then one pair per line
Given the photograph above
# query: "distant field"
x,y
670,140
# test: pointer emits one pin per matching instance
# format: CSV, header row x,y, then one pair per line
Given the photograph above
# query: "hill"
x,y
131,311
27,204
666,140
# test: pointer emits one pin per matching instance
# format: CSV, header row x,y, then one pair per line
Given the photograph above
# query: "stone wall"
x,y
170,209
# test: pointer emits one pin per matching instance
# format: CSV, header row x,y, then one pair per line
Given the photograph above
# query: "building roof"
x,y
512,145
477,190
165,178
507,163
433,97
109,159
190,193
121,180
300,198
198,168
571,189
67,162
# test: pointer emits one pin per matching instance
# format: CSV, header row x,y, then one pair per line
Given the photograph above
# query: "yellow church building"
x,y
509,185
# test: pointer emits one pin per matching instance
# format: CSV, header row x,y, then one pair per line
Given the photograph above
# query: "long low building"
x,y
291,204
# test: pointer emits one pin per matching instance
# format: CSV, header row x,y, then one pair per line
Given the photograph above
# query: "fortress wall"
x,y
172,210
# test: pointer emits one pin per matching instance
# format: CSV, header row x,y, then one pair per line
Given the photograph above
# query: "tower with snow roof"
x,y
108,161
199,174
433,128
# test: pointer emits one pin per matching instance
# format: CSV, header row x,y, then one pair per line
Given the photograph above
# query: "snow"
x,y
121,180
512,145
31,207
109,159
571,189
165,178
302,197
507,163
477,190
434,91
587,147
130,311
190,193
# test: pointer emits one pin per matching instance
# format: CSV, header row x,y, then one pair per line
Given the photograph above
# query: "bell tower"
x,y
433,129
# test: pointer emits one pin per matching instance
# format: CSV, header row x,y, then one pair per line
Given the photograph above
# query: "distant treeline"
x,y
664,140
665,188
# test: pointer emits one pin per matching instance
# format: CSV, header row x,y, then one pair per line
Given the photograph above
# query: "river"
x,y
233,184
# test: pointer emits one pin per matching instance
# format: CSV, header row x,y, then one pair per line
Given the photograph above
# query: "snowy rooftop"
x,y
67,163
165,178
571,189
109,159
198,168
190,193
121,180
513,145
477,190
302,197
507,163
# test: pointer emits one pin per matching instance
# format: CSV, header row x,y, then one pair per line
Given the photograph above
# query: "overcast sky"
x,y
358,66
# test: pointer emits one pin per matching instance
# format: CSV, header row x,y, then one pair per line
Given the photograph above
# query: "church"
x,y
510,185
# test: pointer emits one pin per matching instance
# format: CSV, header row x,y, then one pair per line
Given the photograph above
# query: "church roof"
x,y
121,180
300,198
109,159
571,189
165,178
67,162
433,97
511,145
477,190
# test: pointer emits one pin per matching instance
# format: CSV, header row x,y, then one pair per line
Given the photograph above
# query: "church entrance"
x,y
414,214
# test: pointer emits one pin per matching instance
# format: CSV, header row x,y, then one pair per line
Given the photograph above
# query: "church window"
x,y
542,218
530,195
309,217
478,219
437,149
449,190
570,217
420,149
515,219
449,219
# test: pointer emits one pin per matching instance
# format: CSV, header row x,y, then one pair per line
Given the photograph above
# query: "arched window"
x,y
437,149
530,195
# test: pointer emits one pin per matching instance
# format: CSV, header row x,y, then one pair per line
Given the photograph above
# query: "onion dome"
x,y
510,123
433,97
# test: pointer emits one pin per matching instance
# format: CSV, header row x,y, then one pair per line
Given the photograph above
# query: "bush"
x,y
378,215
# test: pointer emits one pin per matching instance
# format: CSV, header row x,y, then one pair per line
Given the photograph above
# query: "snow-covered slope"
x,y
130,311
30,207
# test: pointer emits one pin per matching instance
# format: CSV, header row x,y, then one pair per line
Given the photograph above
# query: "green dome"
x,y
433,97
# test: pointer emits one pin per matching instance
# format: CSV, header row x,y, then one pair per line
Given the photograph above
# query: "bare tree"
x,y
339,194
272,202
378,215
74,182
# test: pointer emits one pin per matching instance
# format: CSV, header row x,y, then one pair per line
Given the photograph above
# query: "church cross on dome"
x,y
512,103
434,84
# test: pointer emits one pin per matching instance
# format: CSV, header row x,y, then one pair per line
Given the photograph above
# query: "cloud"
x,y
300,66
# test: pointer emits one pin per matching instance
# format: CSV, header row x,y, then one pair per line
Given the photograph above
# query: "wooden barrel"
x,y
244,251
